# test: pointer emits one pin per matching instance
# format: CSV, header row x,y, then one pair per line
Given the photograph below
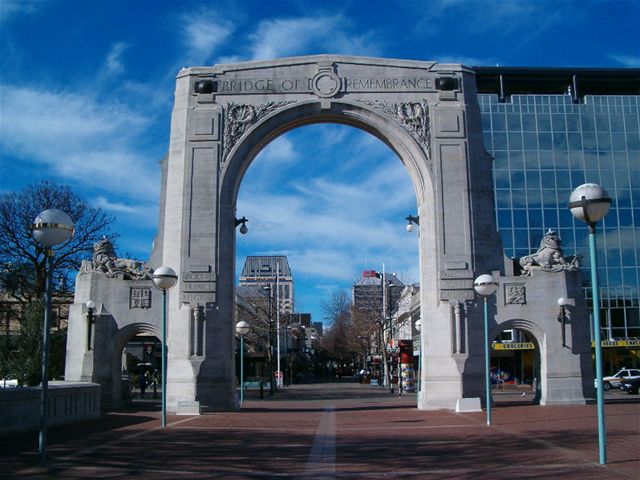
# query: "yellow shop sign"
x,y
514,346
629,343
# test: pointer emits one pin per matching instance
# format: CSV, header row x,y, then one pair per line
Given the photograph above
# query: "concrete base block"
x,y
468,405
188,408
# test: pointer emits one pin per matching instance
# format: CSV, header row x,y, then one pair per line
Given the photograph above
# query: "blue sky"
x,y
86,93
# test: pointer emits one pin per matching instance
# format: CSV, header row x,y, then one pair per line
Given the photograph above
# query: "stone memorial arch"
x,y
427,113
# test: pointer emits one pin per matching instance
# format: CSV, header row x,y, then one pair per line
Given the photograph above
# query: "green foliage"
x,y
5,357
21,356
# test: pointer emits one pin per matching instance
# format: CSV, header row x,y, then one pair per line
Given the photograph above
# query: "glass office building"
x,y
550,131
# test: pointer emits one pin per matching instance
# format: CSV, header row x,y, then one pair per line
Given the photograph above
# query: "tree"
x,y
341,341
21,355
366,327
22,259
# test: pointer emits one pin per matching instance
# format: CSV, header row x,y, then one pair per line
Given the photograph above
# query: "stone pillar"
x,y
190,247
468,245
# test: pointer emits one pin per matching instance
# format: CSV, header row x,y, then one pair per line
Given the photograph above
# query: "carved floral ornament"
x,y
515,294
238,118
413,116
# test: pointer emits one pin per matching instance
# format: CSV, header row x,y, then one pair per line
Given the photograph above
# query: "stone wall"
x,y
68,403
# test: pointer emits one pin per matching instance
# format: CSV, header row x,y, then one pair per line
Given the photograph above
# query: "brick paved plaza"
x,y
339,430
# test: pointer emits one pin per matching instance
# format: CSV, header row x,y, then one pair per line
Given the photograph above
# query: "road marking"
x,y
322,457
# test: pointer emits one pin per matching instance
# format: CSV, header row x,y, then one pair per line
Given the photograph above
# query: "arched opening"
x,y
142,363
291,197
136,363
516,368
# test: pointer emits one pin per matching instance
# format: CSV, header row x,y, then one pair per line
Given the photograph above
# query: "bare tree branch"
x,y
22,259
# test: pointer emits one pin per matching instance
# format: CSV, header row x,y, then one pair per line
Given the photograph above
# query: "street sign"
x,y
278,374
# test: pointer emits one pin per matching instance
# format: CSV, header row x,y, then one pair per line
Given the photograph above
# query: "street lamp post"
x,y
288,334
590,203
270,315
242,328
278,366
387,333
562,317
485,285
165,279
51,227
91,307
418,327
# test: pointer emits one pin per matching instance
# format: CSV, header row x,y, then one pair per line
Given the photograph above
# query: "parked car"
x,y
630,385
613,381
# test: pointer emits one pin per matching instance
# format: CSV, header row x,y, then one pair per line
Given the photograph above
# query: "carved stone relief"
x,y
139,297
414,117
549,257
238,118
106,261
515,294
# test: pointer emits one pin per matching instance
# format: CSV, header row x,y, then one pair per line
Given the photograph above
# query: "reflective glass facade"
x,y
545,146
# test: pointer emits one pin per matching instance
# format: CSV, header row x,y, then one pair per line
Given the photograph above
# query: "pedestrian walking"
x,y
143,384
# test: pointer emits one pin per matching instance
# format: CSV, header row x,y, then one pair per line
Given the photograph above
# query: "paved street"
x,y
339,430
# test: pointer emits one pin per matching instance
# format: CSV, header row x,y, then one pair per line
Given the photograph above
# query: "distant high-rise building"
x,y
367,292
303,319
267,272
319,327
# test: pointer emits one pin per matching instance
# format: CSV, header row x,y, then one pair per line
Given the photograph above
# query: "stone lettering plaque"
x,y
456,295
471,404
198,285
198,276
324,84
207,297
186,407
139,297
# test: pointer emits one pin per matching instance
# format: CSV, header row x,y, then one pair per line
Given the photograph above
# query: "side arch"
x,y
119,341
521,324
540,357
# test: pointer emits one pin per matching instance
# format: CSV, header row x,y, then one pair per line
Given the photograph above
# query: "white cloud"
x,y
284,37
630,61
335,220
335,209
315,264
113,64
203,35
78,137
230,59
463,60
119,207
309,35
482,17
12,8
519,22
279,151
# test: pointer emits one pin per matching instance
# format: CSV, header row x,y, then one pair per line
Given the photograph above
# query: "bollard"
x,y
261,390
